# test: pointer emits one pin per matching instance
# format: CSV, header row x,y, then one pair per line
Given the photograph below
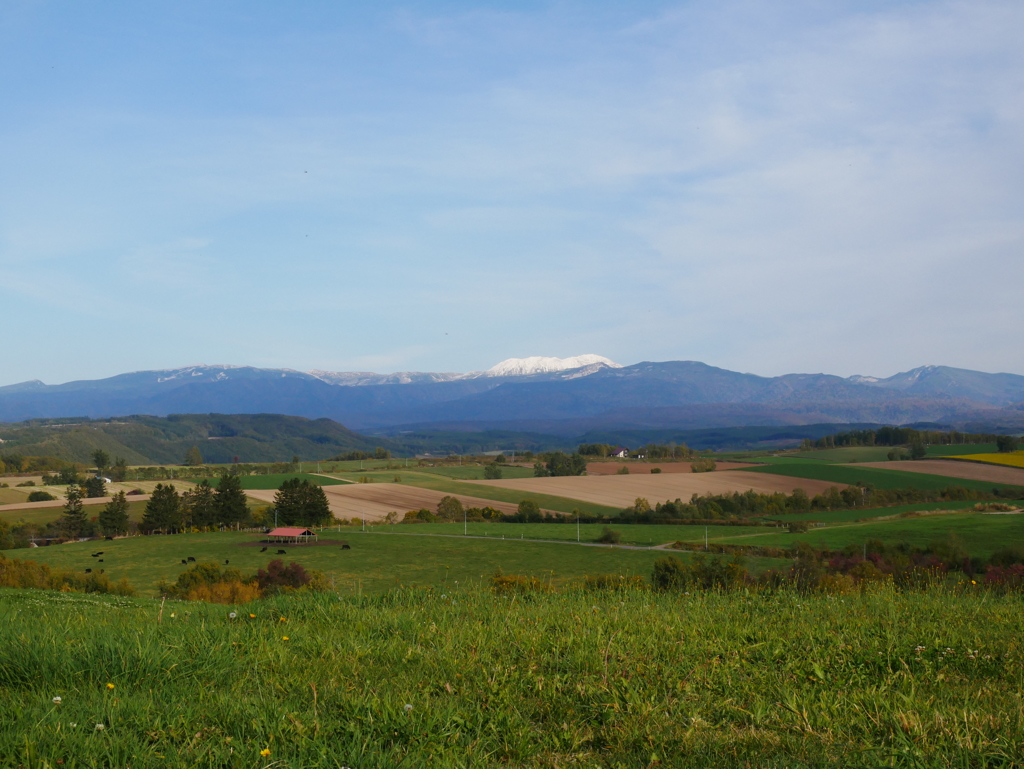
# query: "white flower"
x,y
56,700
408,708
444,596
72,725
100,727
232,615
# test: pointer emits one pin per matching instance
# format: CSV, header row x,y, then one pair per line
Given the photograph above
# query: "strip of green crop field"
x,y
955,450
270,482
977,533
860,513
879,478
847,454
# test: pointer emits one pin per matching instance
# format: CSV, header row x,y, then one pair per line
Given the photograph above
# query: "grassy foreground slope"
x,y
467,678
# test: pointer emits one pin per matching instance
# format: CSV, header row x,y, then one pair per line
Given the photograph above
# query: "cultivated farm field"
x,y
373,501
975,470
622,490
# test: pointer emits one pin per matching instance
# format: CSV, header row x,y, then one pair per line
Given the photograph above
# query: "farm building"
x,y
295,535
619,451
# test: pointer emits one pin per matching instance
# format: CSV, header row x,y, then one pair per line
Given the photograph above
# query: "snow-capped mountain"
x,y
541,365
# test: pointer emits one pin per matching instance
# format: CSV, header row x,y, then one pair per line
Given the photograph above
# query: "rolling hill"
x,y
164,440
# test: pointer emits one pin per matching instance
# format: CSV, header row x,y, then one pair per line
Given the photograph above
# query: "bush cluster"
x,y
29,574
211,583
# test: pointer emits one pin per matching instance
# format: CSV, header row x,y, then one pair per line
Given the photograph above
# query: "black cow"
x,y
346,547
225,561
280,552
184,561
88,571
263,550
190,558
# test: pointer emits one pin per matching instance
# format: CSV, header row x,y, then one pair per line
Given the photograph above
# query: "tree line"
x,y
907,436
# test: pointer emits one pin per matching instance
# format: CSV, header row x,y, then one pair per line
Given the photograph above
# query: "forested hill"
x,y
164,440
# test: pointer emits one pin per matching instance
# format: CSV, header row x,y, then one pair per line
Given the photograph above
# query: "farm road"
x,y
663,546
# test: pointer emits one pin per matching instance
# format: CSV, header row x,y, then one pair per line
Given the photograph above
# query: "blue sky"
x,y
767,187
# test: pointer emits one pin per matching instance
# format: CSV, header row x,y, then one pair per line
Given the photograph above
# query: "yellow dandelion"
x,y
283,619
110,686
284,638
265,752
252,616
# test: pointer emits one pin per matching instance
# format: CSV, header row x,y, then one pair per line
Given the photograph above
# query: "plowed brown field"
x,y
971,471
644,468
622,490
373,501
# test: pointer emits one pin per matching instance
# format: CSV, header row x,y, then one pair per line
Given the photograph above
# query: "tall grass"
x,y
467,678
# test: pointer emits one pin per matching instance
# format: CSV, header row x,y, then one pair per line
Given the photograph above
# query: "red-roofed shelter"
x,y
291,534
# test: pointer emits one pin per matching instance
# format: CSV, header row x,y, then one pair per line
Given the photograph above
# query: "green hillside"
x,y
164,440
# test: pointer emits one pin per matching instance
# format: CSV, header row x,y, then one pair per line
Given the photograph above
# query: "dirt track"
x,y
622,490
971,471
373,501
644,468
60,503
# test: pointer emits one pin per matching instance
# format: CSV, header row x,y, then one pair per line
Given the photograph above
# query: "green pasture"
x,y
978,534
376,561
460,677
860,513
878,477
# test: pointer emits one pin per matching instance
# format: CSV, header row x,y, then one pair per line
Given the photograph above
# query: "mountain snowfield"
x,y
541,365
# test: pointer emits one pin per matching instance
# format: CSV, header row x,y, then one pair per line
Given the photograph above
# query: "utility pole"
x,y
577,527
705,537
465,525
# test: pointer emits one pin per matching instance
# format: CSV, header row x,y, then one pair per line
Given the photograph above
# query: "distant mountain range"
x,y
566,397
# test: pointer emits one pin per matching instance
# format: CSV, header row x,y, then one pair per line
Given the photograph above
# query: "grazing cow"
x,y
102,570
225,561
100,553
280,552
346,547
88,571
191,559
184,561
263,549
101,560
111,539
95,555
